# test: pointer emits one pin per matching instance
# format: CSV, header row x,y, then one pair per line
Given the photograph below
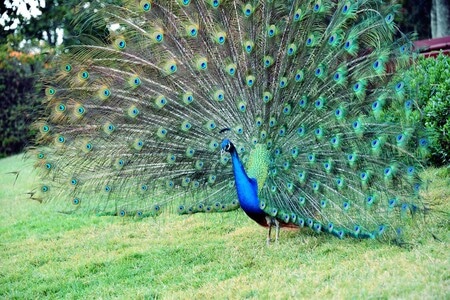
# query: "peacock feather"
x,y
297,111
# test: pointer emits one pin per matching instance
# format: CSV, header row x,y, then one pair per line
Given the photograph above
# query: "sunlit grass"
x,y
44,254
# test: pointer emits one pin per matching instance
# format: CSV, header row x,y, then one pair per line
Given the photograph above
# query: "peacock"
x,y
299,112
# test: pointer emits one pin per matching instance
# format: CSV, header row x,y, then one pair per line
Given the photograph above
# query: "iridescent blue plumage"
x,y
246,188
323,124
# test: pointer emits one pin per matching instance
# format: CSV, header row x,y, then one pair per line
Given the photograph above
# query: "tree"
x,y
19,96
440,18
428,18
54,15
20,69
415,17
56,20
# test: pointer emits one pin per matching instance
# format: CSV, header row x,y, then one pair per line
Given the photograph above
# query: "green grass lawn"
x,y
44,254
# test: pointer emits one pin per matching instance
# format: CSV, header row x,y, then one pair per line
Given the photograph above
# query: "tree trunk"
x,y
440,18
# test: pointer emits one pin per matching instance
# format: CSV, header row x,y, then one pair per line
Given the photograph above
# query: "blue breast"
x,y
247,188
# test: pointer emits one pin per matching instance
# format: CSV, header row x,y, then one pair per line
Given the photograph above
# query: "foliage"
x,y
19,73
41,27
431,77
57,16
22,50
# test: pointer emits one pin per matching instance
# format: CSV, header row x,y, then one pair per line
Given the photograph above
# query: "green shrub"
x,y
19,96
431,77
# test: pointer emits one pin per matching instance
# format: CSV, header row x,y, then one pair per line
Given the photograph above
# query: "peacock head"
x,y
227,146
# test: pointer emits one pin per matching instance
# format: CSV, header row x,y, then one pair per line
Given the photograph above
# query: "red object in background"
x,y
432,47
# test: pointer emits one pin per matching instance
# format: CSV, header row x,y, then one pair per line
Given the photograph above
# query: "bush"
x,y
431,77
19,97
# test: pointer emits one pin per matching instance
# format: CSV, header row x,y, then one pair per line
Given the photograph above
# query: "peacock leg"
x,y
277,229
269,223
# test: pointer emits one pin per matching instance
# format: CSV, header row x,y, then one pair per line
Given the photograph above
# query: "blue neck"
x,y
247,188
